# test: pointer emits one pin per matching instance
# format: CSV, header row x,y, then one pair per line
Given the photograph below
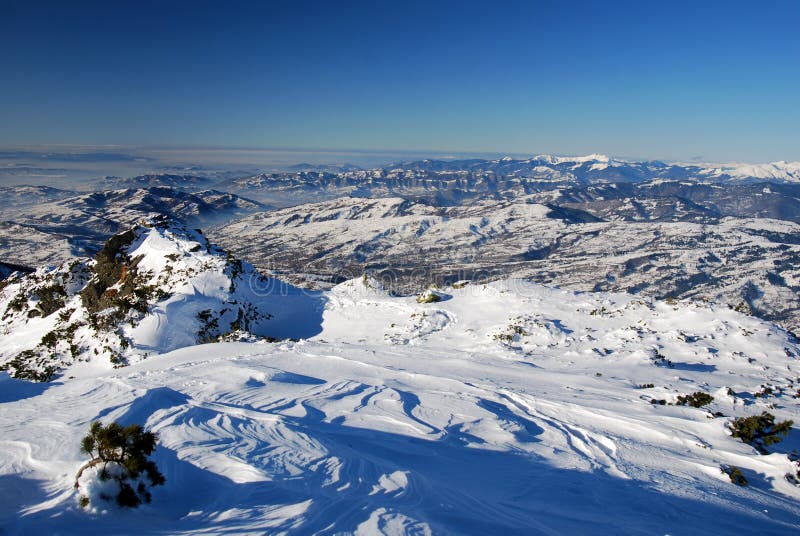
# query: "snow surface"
x,y
779,171
507,408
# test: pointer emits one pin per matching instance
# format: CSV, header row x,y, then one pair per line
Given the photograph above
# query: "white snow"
x,y
506,408
773,171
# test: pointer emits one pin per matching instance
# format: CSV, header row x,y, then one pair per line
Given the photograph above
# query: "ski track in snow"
x,y
406,418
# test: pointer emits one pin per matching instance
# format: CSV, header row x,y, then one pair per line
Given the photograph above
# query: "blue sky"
x,y
673,80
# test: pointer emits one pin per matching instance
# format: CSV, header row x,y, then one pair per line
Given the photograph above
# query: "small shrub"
x,y
24,367
519,330
735,474
51,298
428,297
18,302
50,340
209,327
766,390
696,400
760,430
126,449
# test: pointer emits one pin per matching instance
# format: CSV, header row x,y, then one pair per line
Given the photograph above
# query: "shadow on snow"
x,y
453,485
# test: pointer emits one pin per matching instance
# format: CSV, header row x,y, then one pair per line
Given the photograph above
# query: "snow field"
x,y
507,408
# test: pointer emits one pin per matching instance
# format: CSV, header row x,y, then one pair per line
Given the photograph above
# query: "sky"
x,y
701,80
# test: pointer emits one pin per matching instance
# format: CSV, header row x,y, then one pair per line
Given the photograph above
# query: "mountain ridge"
x,y
151,289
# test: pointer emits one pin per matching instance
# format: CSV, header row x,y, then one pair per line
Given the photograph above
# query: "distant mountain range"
x,y
600,168
451,182
169,180
717,232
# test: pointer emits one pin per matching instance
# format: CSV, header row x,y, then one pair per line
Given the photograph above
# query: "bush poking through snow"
x,y
735,474
121,452
760,430
429,296
696,400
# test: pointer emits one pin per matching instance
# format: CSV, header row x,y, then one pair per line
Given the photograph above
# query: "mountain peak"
x,y
153,288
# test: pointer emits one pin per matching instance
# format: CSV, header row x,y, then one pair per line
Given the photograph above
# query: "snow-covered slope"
x,y
170,180
750,263
154,288
507,408
776,171
56,231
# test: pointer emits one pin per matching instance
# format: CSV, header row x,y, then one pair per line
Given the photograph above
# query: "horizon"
x,y
715,82
77,166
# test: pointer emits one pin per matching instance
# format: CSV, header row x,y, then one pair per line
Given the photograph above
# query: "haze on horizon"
x,y
711,81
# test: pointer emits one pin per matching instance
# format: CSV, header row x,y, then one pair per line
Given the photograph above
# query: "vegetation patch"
x,y
31,365
735,474
51,298
760,431
429,296
122,455
696,400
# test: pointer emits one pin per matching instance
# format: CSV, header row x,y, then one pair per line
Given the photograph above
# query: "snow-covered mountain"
x,y
151,289
504,408
16,197
49,229
774,171
150,180
668,200
595,168
752,264
452,181
51,232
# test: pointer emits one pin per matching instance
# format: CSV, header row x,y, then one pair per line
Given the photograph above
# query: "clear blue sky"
x,y
672,79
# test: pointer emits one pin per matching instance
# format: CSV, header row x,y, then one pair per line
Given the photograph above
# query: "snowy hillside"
x,y
154,288
777,171
55,231
507,408
753,264
170,180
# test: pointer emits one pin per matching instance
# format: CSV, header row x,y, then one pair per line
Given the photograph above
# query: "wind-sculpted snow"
x,y
506,408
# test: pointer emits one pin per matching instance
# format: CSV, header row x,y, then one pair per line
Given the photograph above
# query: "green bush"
x,y
760,430
24,367
428,297
696,400
126,449
735,474
51,298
